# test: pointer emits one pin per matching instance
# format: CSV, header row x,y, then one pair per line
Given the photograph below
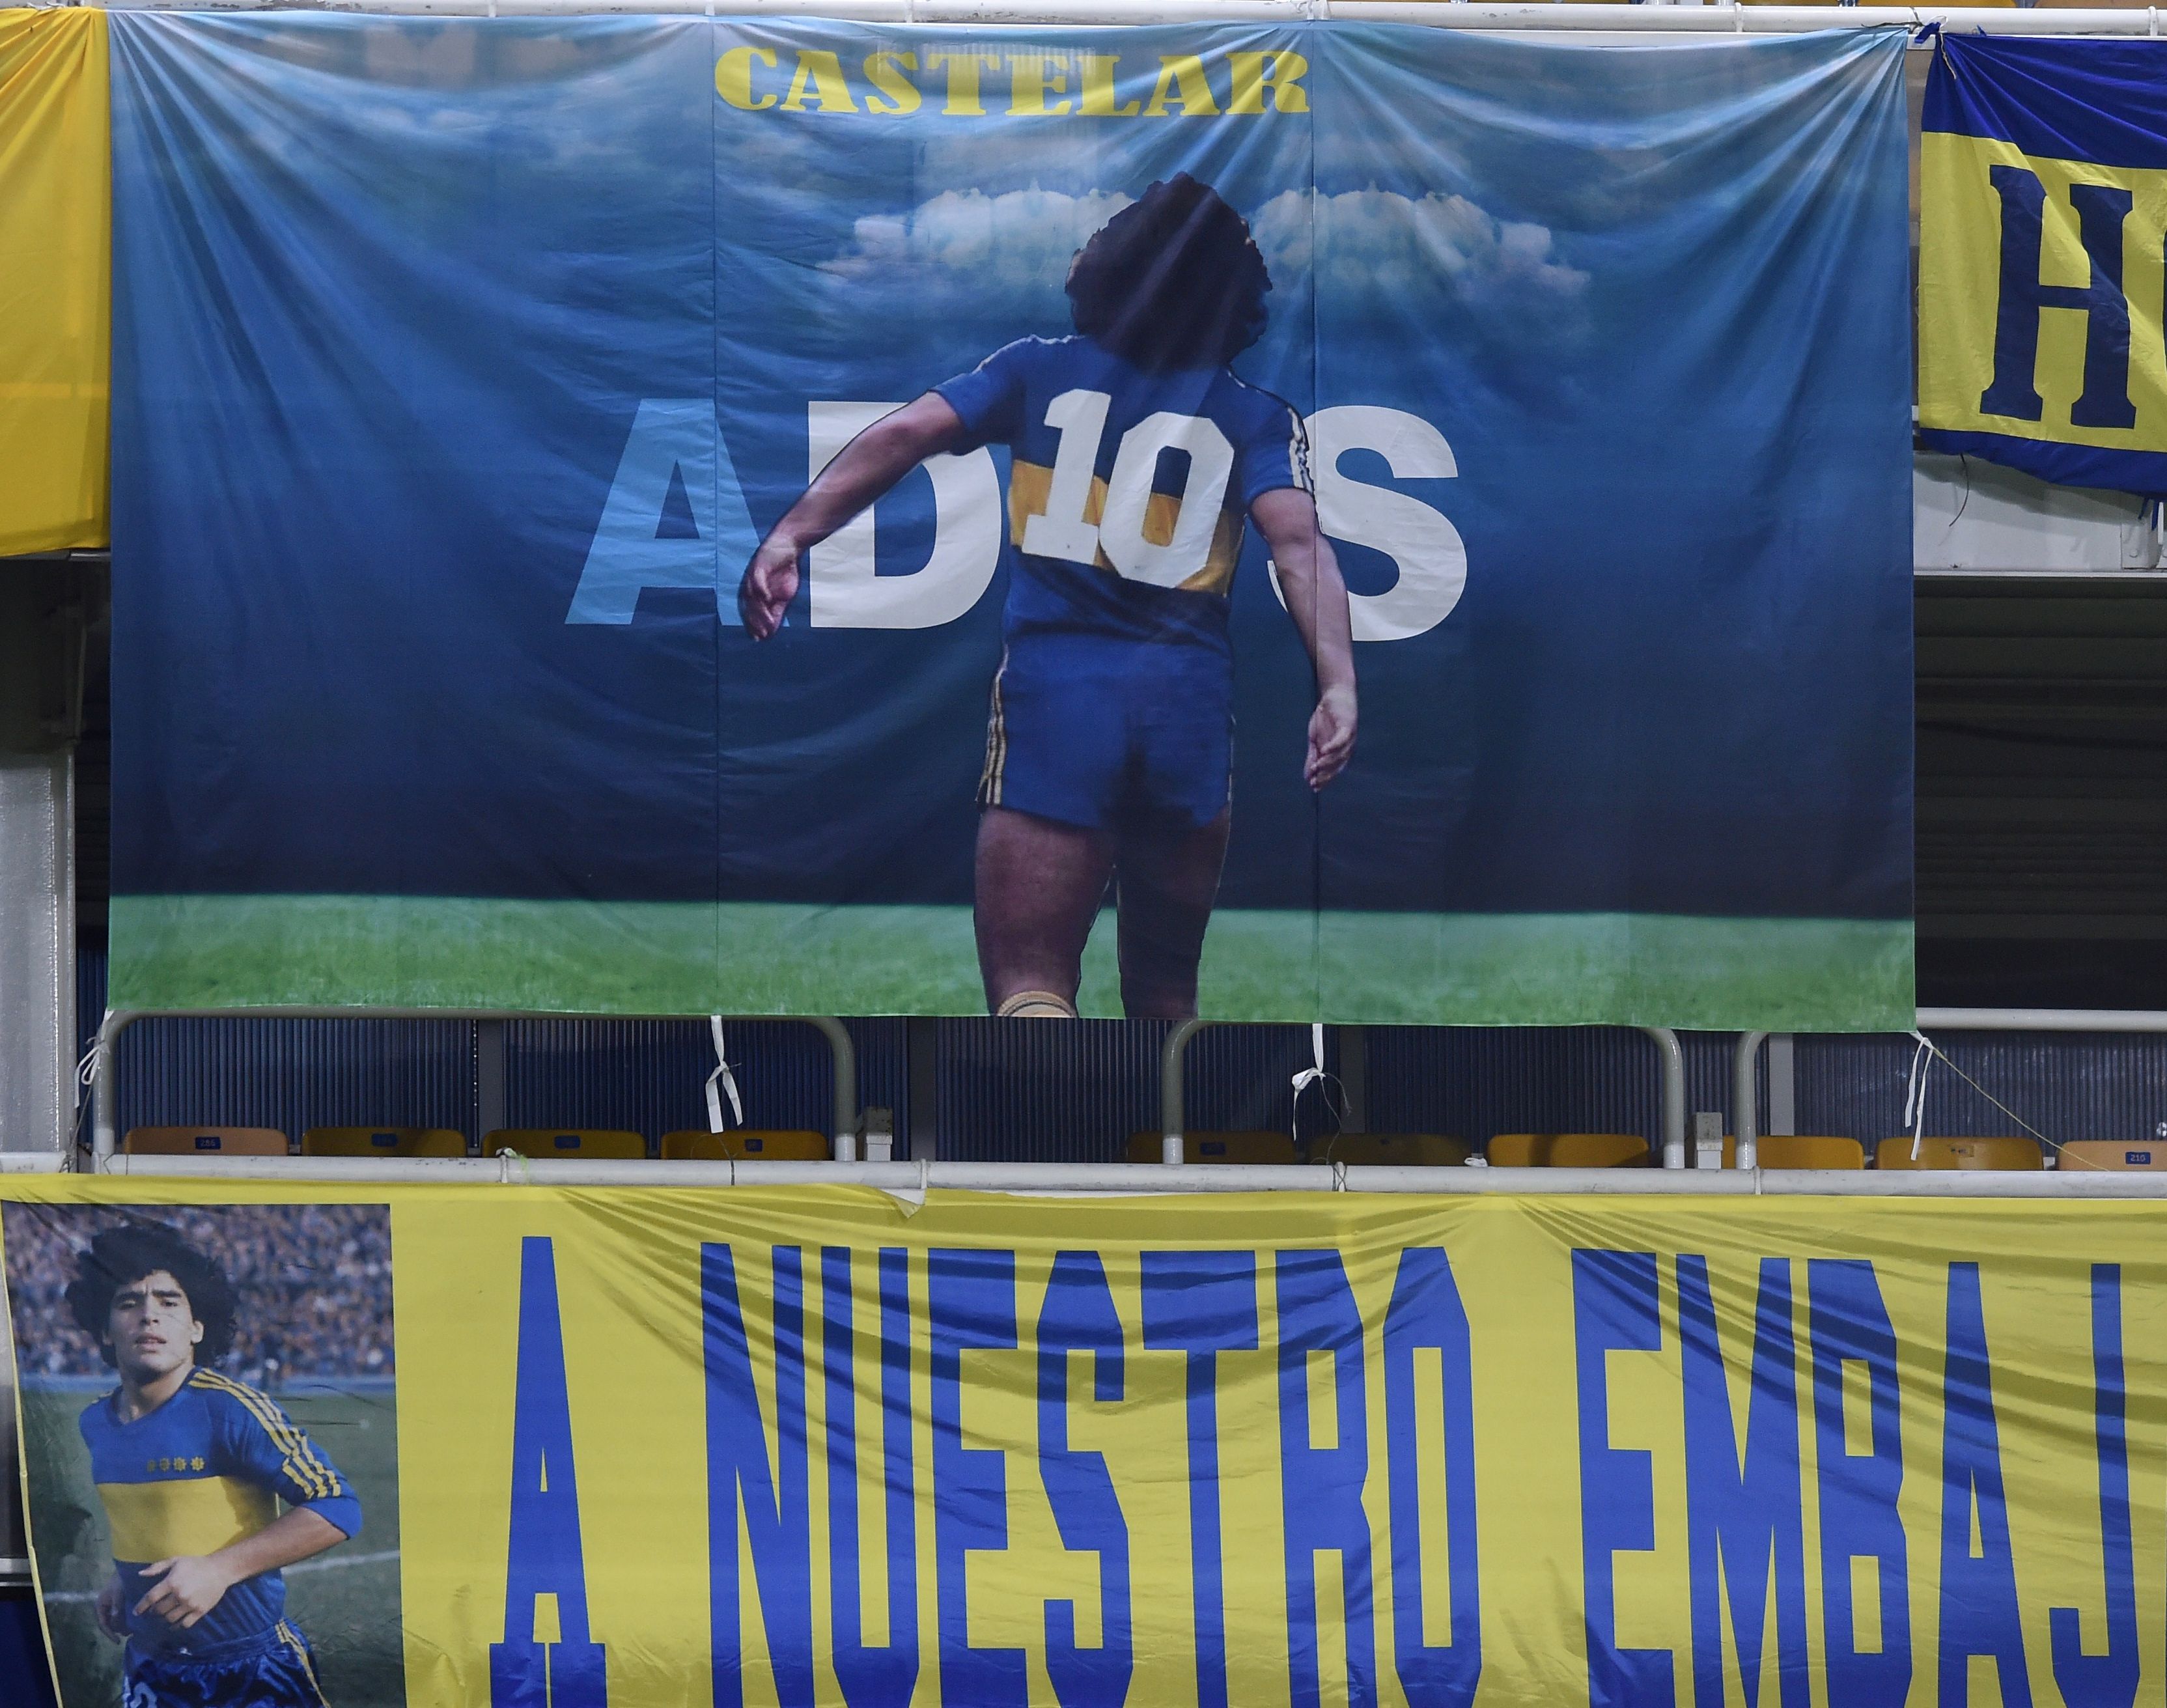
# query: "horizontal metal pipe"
x,y
1534,1182
2128,1020
1057,1180
1537,15
32,1162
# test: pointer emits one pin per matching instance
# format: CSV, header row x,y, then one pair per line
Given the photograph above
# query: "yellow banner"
x,y
778,1446
1962,348
55,280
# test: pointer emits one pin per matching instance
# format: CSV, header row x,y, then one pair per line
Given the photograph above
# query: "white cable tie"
x,y
1915,1100
728,1082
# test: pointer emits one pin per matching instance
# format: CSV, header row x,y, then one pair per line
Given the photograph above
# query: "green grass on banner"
x,y
753,958
346,1600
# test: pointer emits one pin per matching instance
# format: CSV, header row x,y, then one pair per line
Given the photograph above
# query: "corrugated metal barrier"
x,y
1021,1091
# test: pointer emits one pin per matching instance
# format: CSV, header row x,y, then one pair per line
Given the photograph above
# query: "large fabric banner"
x,y
783,1446
2043,207
671,516
55,280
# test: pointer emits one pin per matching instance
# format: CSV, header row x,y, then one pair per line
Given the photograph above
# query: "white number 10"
x,y
1063,532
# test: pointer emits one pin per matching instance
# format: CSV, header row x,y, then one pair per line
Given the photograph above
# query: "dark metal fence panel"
x,y
1038,1091
290,1075
1021,1090
650,1075
2068,1085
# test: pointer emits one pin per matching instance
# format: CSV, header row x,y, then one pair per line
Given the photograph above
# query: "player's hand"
x,y
112,1615
185,1589
770,584
1331,736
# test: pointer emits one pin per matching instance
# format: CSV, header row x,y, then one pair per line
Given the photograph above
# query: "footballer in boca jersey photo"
x,y
1139,461
215,1498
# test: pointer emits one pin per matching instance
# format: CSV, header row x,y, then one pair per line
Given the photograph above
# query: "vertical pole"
x,y
1745,1098
491,1106
1354,1077
105,1118
845,1134
1674,1095
922,1077
1171,1109
1782,1083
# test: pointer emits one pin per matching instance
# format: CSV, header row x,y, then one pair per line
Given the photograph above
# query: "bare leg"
x,y
1039,887
1169,877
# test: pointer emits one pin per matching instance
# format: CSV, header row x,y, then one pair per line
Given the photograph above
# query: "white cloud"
x,y
1015,244
1380,246
1373,252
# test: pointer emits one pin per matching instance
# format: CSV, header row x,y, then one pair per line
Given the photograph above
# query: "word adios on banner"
x,y
675,448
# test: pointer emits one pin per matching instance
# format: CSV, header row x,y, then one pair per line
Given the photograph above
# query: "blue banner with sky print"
x,y
1353,522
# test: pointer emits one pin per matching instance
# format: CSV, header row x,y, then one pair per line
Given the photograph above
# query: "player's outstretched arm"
x,y
1316,599
866,468
186,1587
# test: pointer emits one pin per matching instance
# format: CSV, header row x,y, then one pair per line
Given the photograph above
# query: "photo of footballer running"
x,y
211,1490
1139,461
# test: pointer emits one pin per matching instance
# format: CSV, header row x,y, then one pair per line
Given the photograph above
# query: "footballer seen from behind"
x,y
1139,461
192,1468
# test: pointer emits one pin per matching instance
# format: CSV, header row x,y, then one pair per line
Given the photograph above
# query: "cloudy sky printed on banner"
x,y
1017,245
1010,253
1378,249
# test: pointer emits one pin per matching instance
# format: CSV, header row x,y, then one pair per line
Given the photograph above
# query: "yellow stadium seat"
x,y
2115,1153
1391,1150
204,1141
581,1144
1797,1150
1568,1150
2005,1154
748,1144
1219,1148
383,1141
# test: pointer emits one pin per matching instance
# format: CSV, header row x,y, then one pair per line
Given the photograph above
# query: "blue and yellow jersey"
x,y
1129,489
206,1469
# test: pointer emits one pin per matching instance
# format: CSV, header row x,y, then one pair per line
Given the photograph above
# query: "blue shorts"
x,y
278,1672
1087,731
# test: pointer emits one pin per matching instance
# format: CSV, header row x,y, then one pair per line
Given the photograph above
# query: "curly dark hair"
x,y
126,1254
1174,280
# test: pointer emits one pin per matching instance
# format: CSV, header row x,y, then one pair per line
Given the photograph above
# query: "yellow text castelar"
x,y
1037,84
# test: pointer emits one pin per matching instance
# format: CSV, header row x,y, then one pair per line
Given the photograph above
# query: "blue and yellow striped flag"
x,y
2042,214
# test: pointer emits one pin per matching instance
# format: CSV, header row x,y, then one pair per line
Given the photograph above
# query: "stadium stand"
x,y
1797,1150
549,1144
314,1284
2019,1154
1567,1150
1390,1150
190,1141
747,1145
1227,1147
383,1141
2110,1154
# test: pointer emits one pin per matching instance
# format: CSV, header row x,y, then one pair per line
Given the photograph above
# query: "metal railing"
x,y
1173,1098
1745,1070
1688,17
105,1137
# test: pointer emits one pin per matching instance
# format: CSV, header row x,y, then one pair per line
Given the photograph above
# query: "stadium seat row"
x,y
536,1144
1586,1150
1604,1150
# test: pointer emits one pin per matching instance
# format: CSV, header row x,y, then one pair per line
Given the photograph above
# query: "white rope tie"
x,y
720,1081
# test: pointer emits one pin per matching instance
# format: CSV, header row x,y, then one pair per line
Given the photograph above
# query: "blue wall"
x,y
25,1681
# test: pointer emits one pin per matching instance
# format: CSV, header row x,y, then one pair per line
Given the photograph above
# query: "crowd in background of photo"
x,y
313,1280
